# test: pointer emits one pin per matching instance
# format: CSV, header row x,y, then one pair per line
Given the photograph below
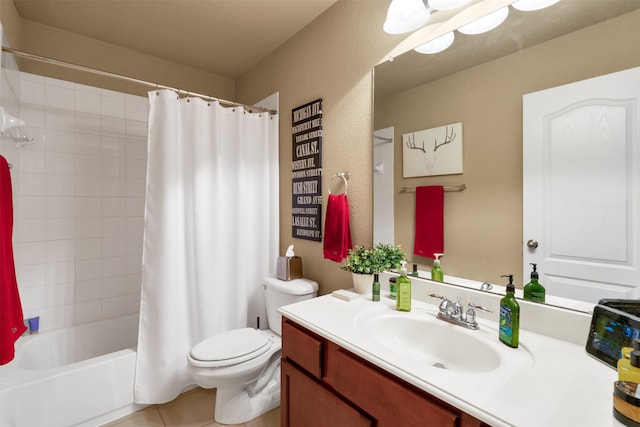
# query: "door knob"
x,y
532,244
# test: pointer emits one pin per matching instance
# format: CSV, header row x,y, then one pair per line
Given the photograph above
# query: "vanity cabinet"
x,y
324,384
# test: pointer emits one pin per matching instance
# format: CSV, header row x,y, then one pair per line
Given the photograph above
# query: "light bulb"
x,y
529,5
447,4
437,45
486,23
405,15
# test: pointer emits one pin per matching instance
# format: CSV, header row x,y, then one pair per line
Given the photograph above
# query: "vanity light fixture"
x,y
437,45
529,5
404,16
486,23
447,4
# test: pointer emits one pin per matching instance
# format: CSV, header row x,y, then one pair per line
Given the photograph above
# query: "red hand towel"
x,y
429,237
337,234
11,321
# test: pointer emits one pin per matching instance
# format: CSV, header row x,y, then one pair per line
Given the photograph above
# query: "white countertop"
x,y
545,382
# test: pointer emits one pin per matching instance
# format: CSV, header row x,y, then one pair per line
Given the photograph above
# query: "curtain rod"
x,y
129,79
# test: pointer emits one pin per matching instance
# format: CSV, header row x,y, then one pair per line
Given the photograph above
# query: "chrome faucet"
x,y
453,313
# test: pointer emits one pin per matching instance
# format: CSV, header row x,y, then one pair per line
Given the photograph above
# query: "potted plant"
x,y
363,263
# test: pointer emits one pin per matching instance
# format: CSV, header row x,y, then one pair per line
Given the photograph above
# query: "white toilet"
x,y
244,364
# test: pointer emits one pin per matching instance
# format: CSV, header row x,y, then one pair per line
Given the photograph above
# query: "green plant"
x,y
390,256
363,260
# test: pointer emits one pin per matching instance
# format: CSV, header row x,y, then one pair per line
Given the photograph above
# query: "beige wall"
x,y
330,59
65,46
483,225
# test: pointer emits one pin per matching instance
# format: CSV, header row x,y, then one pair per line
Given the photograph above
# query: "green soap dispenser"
x,y
509,327
534,291
436,272
403,301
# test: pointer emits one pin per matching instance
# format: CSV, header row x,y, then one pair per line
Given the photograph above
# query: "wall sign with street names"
x,y
306,169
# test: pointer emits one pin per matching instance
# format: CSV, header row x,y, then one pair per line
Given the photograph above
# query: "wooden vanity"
x,y
325,385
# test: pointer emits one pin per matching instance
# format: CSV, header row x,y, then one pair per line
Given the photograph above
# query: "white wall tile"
x,y
113,286
60,228
60,185
60,163
90,248
88,269
88,228
137,108
114,266
87,99
32,253
61,272
114,246
87,186
59,97
59,207
114,307
60,250
113,103
88,290
32,184
31,275
88,123
32,207
88,311
63,294
87,207
88,165
32,229
87,143
79,204
59,140
114,206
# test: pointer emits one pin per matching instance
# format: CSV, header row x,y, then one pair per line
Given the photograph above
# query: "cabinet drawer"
x,y
301,347
306,402
390,402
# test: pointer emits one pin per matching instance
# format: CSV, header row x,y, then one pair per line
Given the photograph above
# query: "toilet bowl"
x,y
244,364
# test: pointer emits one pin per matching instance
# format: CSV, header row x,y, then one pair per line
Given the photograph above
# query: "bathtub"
x,y
77,376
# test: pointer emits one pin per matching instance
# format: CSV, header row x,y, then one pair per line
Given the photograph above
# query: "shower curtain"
x,y
210,231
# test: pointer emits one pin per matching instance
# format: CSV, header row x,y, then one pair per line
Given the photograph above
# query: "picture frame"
x,y
431,152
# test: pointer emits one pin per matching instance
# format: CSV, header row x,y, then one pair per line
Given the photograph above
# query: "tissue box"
x,y
289,268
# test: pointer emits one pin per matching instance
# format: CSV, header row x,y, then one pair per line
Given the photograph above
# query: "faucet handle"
x,y
479,307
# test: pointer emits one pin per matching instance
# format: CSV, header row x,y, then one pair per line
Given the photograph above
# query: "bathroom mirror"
x,y
479,81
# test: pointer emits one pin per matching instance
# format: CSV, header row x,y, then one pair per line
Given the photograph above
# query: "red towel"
x,y
337,234
429,237
11,320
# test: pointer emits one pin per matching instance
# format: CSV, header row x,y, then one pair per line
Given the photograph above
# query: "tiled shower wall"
x,y
79,201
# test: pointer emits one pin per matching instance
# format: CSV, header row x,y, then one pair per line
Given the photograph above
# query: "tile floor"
x,y
191,409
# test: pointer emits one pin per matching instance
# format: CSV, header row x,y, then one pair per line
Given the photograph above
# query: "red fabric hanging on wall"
x,y
11,320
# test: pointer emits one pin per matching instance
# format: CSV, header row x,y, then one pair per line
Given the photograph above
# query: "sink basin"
x,y
429,341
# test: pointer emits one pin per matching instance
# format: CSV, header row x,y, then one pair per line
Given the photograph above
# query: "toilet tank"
x,y
278,293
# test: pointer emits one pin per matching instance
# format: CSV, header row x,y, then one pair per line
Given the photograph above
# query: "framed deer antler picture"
x,y
436,151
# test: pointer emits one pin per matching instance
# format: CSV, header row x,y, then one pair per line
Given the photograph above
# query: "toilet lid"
x,y
231,347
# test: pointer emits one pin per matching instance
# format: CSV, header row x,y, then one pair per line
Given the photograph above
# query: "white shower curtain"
x,y
210,231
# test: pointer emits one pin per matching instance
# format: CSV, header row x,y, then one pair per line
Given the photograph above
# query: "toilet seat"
x,y
229,348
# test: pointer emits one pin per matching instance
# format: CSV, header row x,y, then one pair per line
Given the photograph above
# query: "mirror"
x,y
479,81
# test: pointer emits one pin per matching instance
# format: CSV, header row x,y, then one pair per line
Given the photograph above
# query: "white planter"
x,y
362,283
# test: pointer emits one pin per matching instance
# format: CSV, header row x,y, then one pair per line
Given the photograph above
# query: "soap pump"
x,y
534,291
629,368
509,327
436,272
403,301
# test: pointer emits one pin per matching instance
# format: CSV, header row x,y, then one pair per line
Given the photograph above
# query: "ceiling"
x,y
224,37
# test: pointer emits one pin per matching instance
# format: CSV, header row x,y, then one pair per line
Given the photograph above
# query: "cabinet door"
x,y
305,403
390,402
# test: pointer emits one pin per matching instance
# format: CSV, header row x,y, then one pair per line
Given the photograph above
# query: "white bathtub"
x,y
77,376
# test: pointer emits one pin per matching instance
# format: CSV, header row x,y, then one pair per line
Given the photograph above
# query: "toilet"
x,y
244,364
